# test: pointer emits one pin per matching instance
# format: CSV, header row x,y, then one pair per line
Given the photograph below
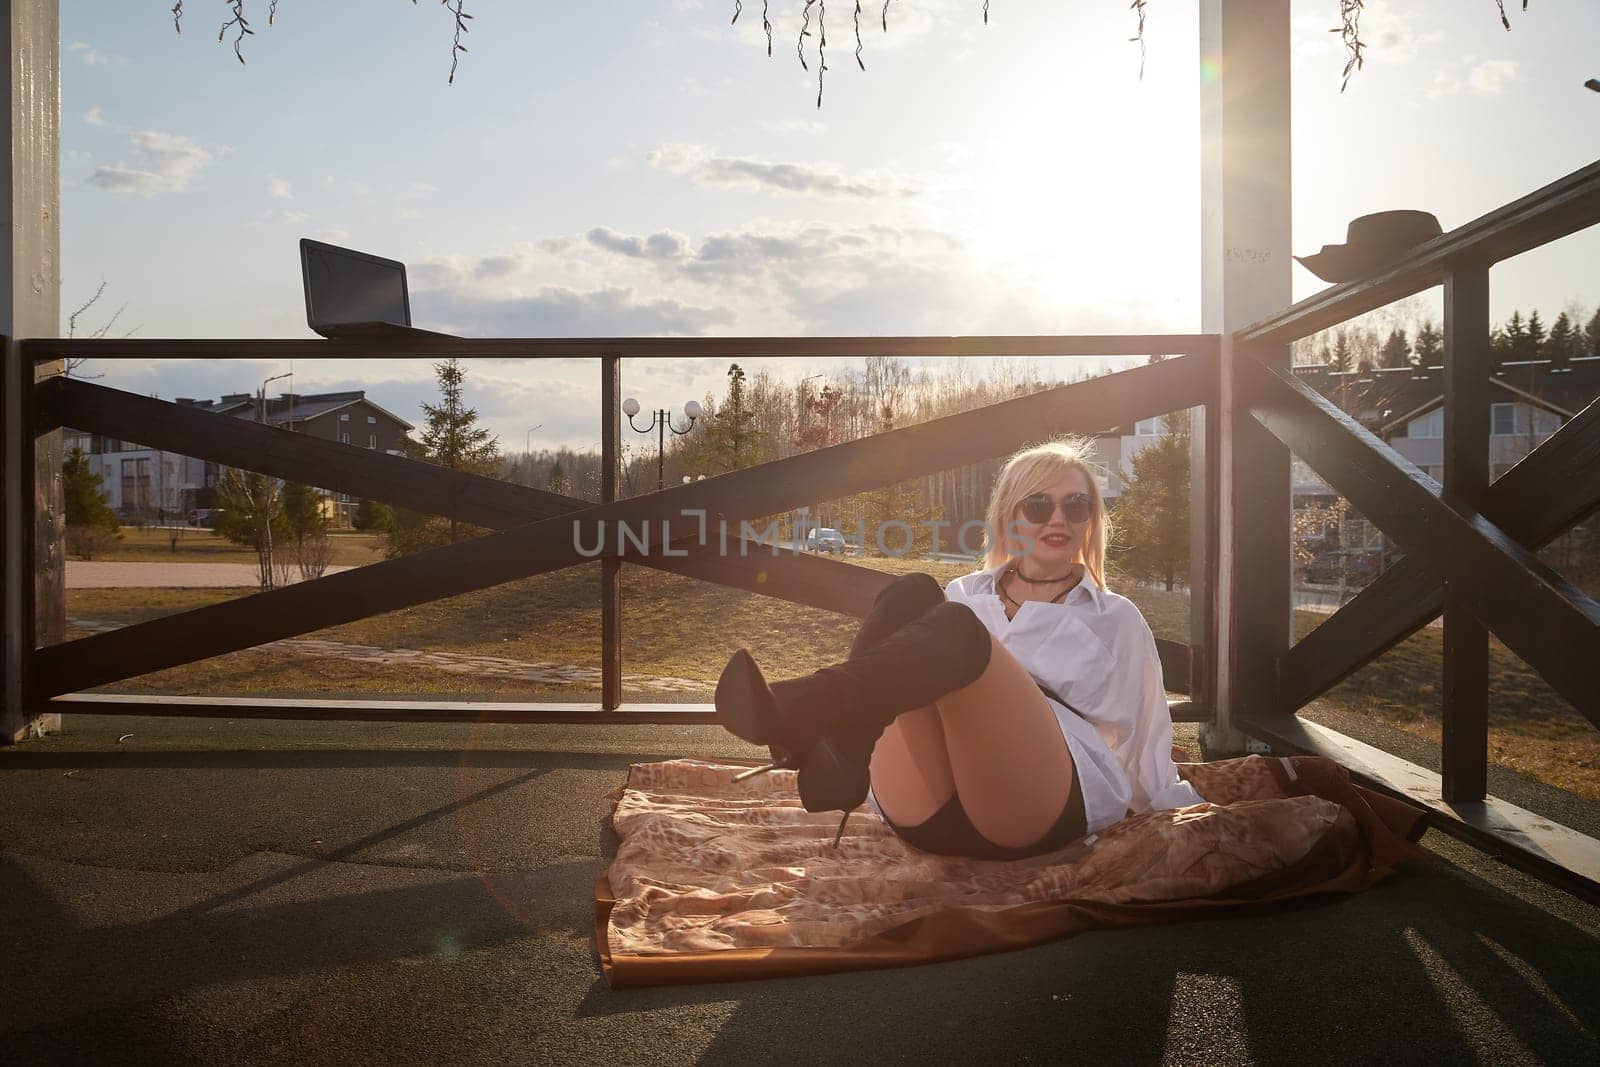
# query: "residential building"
x,y
155,486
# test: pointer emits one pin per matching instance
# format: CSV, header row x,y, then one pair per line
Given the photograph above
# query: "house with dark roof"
x,y
1530,400
153,485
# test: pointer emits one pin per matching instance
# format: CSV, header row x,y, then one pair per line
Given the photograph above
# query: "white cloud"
x,y
1389,33
90,55
701,165
278,189
557,311
1488,77
763,278
1491,77
95,117
164,163
661,245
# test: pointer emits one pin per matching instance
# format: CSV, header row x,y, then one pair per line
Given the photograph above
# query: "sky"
x,y
645,168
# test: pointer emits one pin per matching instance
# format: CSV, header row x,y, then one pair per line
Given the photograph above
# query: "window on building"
x,y
344,438
372,420
1504,420
372,440
1149,427
136,485
1545,422
1429,425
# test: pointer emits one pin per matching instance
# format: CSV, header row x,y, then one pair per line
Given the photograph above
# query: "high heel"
x,y
826,724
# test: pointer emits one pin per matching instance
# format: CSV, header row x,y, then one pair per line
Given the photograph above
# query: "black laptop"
x,y
352,295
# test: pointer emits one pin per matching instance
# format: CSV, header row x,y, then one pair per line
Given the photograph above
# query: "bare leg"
x,y
911,775
1006,753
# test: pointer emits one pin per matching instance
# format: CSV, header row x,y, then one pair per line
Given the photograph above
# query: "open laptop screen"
x,y
345,286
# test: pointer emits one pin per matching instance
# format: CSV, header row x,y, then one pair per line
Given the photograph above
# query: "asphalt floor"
x,y
271,892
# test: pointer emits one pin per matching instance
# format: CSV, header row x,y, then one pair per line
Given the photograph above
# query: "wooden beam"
x,y
575,712
1557,484
610,567
1563,207
1536,612
553,543
1468,365
630,347
300,457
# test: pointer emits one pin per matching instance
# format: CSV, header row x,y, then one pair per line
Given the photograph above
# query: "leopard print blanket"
x,y
716,880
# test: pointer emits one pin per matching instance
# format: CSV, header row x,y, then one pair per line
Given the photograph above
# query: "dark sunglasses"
x,y
1038,507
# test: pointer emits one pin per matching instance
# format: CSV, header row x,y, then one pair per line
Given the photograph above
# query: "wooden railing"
x,y
1468,545
539,532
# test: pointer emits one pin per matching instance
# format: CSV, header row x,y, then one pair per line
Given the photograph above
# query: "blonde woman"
x,y
1007,715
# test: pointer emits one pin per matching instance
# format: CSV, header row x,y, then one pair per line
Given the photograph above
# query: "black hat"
x,y
1372,241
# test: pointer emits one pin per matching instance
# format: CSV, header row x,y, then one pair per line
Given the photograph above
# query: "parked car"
x,y
825,539
200,516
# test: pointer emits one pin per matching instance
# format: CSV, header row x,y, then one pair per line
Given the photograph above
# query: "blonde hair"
x,y
1032,470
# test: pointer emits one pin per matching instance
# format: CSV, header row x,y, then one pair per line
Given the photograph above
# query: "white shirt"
x,y
1097,653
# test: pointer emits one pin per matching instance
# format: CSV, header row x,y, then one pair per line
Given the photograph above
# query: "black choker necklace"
x,y
1014,569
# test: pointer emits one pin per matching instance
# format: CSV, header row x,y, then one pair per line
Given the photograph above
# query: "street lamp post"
x,y
261,395
661,422
527,452
808,518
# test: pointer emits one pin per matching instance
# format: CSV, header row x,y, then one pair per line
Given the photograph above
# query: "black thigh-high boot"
x,y
914,647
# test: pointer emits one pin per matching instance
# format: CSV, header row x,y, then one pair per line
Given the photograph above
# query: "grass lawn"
x,y
680,627
197,545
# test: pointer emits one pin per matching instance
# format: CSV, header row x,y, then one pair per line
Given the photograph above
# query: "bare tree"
x,y
72,364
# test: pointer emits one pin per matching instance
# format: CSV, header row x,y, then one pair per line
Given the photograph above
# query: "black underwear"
x,y
950,833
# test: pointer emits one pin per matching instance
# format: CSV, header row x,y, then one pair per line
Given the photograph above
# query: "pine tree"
x,y
731,442
370,516
1591,335
1512,340
1533,348
1430,344
1341,351
1152,514
1564,342
91,524
1396,350
451,438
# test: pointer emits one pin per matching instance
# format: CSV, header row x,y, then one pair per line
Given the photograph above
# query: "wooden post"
x,y
1465,690
33,586
1245,231
1203,549
610,566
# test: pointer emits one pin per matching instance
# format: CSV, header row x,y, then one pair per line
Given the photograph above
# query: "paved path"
x,y
115,574
305,892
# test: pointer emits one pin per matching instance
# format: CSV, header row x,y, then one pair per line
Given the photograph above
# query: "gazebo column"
x,y
33,584
1245,240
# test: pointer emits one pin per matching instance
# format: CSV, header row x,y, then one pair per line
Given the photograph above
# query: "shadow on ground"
x,y
273,892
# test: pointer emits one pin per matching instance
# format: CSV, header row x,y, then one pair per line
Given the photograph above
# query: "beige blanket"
x,y
717,880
